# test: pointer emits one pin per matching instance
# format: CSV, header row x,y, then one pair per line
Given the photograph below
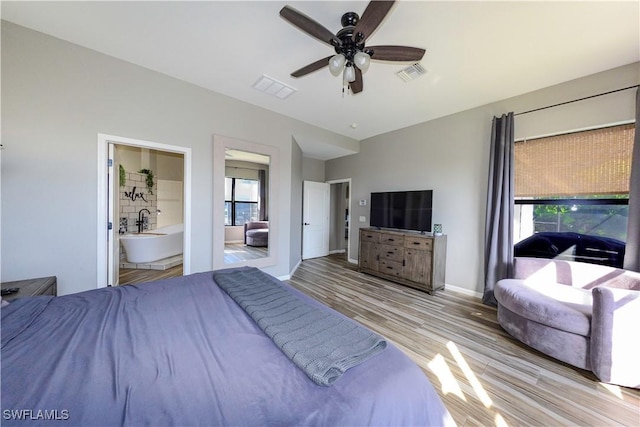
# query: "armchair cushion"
x,y
559,306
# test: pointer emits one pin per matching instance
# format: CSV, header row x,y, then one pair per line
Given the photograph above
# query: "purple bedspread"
x,y
181,352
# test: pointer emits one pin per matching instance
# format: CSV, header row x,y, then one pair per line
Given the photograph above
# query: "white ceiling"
x,y
477,52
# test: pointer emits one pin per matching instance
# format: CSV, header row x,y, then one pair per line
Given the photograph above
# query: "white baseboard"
x,y
337,251
353,261
292,272
464,291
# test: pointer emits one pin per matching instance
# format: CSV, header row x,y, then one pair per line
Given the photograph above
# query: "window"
x,y
241,200
572,195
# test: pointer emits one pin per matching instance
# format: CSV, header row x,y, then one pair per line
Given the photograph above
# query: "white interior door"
x,y
113,252
315,216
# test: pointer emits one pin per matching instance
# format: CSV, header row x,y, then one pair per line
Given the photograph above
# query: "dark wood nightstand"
x,y
31,287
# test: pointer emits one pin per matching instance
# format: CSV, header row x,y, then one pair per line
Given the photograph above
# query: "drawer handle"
x,y
416,243
391,240
390,268
390,252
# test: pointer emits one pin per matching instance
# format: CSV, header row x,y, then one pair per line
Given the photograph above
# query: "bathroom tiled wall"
x,y
134,196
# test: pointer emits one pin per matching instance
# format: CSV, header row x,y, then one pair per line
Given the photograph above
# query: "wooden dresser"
x,y
409,258
31,287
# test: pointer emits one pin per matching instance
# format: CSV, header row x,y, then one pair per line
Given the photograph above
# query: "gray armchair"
x,y
256,233
583,314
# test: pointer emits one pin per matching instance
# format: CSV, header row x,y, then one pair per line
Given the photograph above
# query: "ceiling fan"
x,y
352,57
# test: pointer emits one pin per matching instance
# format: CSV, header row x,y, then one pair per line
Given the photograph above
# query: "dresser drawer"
x,y
392,268
369,236
418,243
391,239
390,252
413,259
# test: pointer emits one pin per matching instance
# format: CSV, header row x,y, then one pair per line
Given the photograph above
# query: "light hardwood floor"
x,y
483,376
236,252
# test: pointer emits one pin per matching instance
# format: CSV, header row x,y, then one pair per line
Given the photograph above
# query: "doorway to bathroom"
x,y
147,209
339,218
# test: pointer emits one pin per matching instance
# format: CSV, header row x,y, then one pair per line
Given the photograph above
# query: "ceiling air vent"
x,y
411,72
273,87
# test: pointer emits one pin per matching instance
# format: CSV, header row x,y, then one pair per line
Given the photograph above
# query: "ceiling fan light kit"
x,y
336,64
352,58
349,74
362,61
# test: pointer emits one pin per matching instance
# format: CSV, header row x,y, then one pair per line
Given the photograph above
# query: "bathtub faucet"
x,y
140,221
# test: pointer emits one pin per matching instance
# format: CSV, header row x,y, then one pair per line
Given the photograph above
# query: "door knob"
x,y
306,223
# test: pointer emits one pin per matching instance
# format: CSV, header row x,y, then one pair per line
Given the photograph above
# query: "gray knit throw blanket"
x,y
321,343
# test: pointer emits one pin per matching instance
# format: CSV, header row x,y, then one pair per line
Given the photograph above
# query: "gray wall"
x,y
312,169
295,252
56,98
451,154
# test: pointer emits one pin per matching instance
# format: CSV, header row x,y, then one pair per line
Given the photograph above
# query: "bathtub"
x,y
153,245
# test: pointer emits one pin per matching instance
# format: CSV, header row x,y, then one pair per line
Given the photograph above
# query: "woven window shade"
x,y
594,162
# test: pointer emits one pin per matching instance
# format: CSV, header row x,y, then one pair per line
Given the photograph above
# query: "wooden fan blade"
x,y
372,17
396,53
309,26
357,85
311,67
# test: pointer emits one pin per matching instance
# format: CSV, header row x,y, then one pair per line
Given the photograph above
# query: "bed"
x,y
182,351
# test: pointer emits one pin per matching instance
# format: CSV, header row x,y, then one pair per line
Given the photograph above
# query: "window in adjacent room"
x,y
572,195
241,200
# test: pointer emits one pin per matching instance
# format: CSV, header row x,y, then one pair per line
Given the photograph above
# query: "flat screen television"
x,y
405,210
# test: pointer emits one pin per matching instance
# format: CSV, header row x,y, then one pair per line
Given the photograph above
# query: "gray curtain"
x,y
498,254
262,189
632,251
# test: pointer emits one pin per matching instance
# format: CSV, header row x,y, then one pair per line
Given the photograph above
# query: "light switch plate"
x,y
363,219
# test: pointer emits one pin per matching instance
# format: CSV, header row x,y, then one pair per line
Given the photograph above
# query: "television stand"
x,y
409,258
